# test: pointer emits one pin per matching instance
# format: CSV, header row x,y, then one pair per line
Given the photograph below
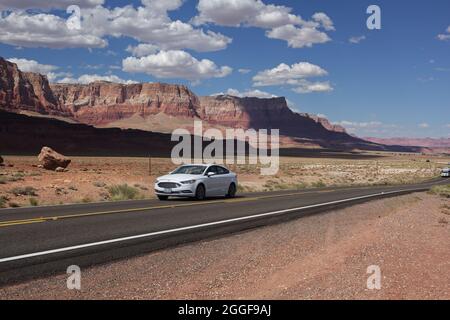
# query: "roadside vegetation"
x,y
443,191
123,192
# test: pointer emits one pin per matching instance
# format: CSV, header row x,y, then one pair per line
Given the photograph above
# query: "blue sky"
x,y
386,83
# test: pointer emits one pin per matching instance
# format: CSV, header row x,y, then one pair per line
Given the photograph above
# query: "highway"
x,y
38,241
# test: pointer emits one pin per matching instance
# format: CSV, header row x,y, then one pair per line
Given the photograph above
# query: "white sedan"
x,y
445,173
197,181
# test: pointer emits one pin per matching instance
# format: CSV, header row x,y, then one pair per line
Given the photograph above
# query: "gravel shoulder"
x,y
324,256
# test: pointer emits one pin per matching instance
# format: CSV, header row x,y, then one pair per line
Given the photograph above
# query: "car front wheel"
x,y
200,192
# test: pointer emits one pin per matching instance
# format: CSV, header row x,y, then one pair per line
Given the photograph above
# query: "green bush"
x,y
123,192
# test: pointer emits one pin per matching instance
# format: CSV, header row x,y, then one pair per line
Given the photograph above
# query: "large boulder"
x,y
51,159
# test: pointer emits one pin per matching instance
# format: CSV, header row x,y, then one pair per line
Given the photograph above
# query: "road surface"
x,y
38,241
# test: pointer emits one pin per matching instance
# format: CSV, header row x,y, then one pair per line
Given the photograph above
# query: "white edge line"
x,y
156,233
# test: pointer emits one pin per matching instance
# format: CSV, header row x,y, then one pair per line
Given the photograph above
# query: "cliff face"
x,y
25,91
102,103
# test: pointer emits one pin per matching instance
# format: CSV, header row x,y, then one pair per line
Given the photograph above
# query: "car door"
x,y
213,182
224,180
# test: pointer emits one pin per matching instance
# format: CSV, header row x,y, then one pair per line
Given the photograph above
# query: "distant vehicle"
x,y
445,172
197,181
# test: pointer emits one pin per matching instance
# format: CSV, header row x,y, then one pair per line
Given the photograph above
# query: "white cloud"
x,y
279,20
175,64
248,93
44,30
32,66
324,20
148,23
309,87
26,65
444,36
356,39
151,24
298,37
244,71
424,125
142,49
285,74
88,78
47,4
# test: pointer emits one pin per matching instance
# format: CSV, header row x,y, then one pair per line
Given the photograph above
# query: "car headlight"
x,y
188,182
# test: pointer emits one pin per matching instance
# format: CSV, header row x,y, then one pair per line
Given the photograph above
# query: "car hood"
x,y
179,177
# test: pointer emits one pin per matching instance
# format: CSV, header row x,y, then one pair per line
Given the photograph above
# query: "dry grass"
x,y
443,191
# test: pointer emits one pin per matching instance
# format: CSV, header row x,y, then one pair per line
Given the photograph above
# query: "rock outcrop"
x,y
52,160
1,161
28,91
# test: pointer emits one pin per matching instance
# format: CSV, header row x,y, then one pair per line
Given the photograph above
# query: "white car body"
x,y
445,172
216,180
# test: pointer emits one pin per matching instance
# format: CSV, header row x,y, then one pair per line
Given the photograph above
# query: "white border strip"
x,y
198,226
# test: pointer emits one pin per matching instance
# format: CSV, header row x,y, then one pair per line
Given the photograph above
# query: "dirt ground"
x,y
88,178
322,256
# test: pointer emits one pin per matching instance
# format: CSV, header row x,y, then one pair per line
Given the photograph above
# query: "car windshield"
x,y
190,170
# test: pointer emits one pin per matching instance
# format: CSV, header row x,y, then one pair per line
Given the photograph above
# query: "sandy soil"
x,y
324,256
88,178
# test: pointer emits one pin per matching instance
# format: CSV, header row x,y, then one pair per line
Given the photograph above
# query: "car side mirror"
x,y
210,174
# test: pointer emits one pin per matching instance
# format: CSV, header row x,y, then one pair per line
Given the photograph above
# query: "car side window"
x,y
222,170
211,169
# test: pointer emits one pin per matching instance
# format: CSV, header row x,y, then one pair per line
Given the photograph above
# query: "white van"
x,y
445,172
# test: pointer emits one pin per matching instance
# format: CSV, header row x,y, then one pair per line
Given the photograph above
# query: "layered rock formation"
x,y
102,102
109,104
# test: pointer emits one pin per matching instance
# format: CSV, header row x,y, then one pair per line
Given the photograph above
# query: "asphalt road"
x,y
38,241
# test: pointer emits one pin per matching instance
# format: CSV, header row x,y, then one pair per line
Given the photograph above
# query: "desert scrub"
x,y
3,201
24,191
443,191
33,202
123,192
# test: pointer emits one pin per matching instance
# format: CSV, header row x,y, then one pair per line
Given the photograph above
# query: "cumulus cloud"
x,y
147,23
32,66
248,93
356,39
298,37
290,75
278,20
88,78
142,49
424,125
44,30
175,64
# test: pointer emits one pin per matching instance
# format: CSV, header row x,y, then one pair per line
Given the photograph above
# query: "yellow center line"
x,y
99,213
